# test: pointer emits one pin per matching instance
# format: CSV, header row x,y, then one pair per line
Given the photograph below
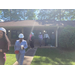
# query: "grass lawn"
x,y
10,57
50,56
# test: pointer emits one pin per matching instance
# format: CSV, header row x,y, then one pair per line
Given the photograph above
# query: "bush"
x,y
67,38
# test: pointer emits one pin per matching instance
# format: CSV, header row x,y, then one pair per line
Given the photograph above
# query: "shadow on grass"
x,y
53,57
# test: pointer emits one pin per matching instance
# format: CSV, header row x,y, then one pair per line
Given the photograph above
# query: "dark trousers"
x,y
32,44
46,41
53,42
40,42
2,61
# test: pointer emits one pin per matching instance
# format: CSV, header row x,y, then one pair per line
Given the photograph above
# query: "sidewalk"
x,y
28,57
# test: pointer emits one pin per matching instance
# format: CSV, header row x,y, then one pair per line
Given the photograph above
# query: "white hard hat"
x,y
21,35
3,29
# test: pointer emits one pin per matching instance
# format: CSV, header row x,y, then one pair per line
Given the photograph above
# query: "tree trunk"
x,y
10,15
60,14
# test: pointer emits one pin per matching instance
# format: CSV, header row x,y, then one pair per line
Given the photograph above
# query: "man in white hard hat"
x,y
19,48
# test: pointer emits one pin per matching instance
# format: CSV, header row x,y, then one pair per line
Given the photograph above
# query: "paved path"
x,y
28,57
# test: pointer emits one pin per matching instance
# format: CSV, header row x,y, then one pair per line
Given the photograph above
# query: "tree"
x,y
0,11
29,14
51,14
18,14
44,14
32,14
57,14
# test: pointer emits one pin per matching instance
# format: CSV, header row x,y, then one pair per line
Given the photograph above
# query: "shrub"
x,y
67,38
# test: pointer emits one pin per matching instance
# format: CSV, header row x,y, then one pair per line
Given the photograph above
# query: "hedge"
x,y
67,38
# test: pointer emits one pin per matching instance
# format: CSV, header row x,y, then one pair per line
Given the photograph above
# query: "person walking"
x,y
4,45
20,46
40,39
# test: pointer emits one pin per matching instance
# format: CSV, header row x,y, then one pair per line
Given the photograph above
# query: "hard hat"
x,y
3,29
21,35
32,33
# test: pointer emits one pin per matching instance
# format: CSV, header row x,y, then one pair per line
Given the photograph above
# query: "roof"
x,y
37,23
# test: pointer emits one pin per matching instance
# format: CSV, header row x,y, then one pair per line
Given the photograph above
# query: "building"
x,y
26,26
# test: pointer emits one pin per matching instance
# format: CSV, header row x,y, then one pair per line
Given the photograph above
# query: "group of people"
x,y
20,44
47,39
19,47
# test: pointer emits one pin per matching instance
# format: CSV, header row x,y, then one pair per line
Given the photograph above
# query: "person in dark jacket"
x,y
4,45
32,41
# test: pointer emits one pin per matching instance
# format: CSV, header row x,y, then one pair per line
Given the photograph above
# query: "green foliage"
x,y
38,14
67,38
10,14
57,14
18,14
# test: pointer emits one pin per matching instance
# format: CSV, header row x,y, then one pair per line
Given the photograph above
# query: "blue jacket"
x,y
18,45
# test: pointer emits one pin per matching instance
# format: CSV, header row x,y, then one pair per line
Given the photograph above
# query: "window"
x,y
15,33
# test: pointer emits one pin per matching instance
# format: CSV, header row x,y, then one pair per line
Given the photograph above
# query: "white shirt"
x,y
46,36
